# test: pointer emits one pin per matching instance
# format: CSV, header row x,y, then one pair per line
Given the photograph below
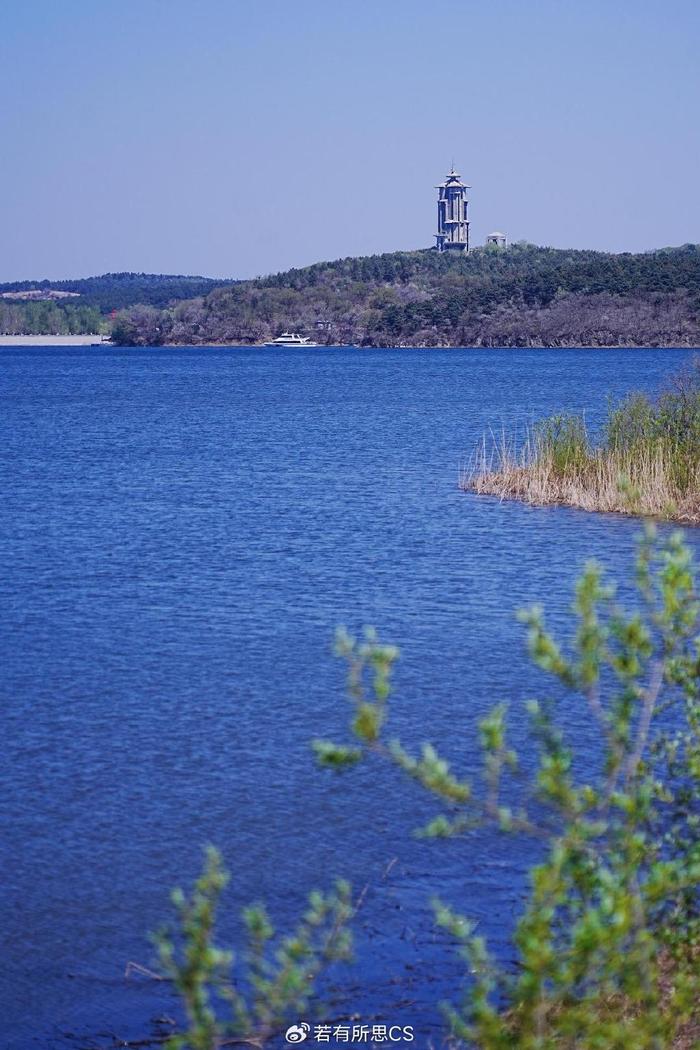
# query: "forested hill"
x,y
81,306
114,291
519,296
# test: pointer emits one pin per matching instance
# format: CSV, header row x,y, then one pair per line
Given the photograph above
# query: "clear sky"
x,y
240,137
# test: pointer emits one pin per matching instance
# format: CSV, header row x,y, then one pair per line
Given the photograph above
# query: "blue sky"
x,y
240,137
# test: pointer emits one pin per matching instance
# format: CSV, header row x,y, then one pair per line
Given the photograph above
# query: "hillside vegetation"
x,y
522,296
49,318
98,297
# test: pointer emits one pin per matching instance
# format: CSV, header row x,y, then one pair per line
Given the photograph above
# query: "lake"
x,y
183,530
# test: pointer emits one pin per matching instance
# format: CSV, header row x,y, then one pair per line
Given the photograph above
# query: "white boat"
x,y
291,339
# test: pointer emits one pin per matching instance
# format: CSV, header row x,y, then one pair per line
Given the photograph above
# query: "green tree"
x,y
613,906
607,942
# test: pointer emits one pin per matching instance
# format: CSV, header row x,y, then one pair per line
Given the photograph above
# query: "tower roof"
x,y
453,178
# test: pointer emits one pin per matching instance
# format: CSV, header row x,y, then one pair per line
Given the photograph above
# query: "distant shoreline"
x,y
52,340
98,340
261,346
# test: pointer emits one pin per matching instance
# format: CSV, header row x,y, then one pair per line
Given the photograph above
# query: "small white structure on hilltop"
x,y
497,239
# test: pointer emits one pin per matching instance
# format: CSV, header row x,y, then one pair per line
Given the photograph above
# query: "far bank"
x,y
523,296
54,340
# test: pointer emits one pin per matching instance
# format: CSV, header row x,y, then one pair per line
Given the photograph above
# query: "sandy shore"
x,y
50,340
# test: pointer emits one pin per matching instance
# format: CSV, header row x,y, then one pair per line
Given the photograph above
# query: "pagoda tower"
x,y
453,225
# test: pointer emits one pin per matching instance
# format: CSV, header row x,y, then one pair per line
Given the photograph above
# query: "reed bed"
x,y
648,463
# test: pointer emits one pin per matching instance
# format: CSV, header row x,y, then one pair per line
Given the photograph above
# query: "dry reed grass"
x,y
639,482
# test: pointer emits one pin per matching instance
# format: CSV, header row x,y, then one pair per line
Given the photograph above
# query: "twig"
x,y
650,697
134,967
388,868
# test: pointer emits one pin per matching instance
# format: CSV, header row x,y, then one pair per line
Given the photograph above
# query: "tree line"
x,y
49,318
522,296
99,297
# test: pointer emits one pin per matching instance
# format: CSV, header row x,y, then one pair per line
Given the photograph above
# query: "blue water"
x,y
182,530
